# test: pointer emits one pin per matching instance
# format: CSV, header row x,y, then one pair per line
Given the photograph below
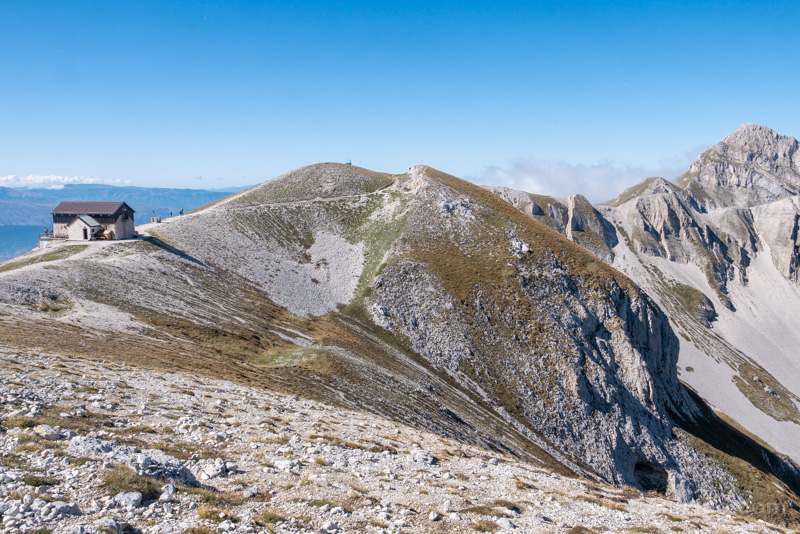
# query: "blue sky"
x,y
557,97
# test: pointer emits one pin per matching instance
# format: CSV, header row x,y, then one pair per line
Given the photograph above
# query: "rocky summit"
x,y
494,347
753,165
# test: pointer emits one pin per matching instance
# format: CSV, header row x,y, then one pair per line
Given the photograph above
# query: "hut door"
x,y
85,234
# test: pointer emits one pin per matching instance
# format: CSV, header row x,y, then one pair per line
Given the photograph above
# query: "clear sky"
x,y
543,95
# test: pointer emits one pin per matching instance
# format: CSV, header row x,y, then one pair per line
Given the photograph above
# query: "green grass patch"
x,y
12,461
485,525
778,405
267,518
483,509
215,514
39,481
123,479
632,192
690,298
280,357
20,422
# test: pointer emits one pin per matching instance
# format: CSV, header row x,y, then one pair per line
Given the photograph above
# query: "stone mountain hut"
x,y
87,221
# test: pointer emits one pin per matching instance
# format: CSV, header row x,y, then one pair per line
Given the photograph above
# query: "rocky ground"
x,y
93,446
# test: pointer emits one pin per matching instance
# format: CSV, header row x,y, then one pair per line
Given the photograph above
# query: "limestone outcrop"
x,y
719,251
578,353
752,165
574,217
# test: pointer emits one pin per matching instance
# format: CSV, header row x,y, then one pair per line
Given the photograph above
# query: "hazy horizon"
x,y
556,98
595,182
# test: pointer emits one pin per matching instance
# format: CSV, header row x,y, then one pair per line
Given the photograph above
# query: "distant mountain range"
x,y
31,207
25,212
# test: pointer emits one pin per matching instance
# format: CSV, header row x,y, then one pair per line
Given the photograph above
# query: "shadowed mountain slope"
x,y
719,252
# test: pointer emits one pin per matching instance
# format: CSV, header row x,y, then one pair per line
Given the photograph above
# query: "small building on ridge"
x,y
88,221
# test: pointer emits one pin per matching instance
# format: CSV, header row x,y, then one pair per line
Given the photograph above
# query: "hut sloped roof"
x,y
83,207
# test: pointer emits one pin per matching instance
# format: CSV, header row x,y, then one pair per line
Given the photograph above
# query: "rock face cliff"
x,y
729,233
418,297
573,217
554,336
709,219
719,251
753,165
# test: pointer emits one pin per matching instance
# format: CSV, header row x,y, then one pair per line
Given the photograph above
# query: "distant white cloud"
x,y
53,181
598,182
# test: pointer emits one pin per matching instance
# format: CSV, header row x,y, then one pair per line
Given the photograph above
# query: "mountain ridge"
x,y
420,297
